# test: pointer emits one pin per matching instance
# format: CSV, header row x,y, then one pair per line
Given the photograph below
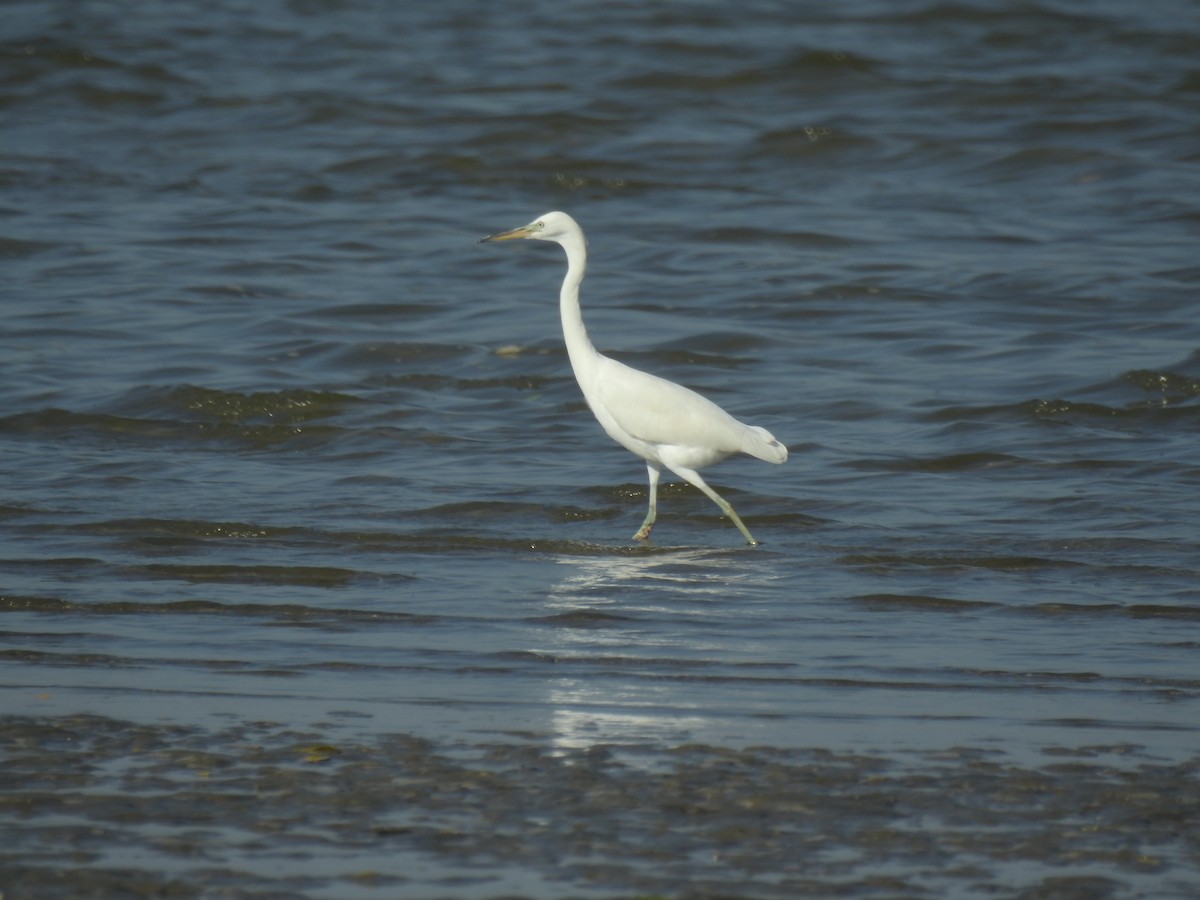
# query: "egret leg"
x,y
693,477
652,514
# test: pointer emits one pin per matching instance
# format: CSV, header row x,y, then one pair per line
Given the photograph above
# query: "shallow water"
x,y
290,462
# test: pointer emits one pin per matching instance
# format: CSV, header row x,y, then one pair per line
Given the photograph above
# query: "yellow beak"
x,y
523,232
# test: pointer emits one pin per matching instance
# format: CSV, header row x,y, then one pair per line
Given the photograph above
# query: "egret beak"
x,y
523,232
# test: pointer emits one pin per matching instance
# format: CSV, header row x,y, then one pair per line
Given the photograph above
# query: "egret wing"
x,y
657,411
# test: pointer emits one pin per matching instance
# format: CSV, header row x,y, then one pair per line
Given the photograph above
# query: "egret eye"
x,y
540,226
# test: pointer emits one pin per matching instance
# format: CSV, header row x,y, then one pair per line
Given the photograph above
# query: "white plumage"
x,y
664,423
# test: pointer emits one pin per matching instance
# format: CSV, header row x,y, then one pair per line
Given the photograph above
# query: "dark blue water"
x,y
288,461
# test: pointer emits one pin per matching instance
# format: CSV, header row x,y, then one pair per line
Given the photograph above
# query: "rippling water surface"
x,y
316,576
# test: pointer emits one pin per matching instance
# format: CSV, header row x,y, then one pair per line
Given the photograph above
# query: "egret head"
x,y
553,226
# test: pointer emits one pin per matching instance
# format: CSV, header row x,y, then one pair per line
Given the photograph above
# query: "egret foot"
x,y
643,533
743,529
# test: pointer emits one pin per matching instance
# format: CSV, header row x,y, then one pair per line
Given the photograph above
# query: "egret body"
x,y
664,423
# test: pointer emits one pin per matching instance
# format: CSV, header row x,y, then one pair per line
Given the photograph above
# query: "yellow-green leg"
x,y
693,477
652,513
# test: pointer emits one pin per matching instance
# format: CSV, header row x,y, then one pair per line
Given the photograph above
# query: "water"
x,y
316,577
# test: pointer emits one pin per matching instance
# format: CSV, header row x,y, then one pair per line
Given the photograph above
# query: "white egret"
x,y
664,423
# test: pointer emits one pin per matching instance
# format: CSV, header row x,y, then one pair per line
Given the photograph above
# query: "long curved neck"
x,y
579,345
